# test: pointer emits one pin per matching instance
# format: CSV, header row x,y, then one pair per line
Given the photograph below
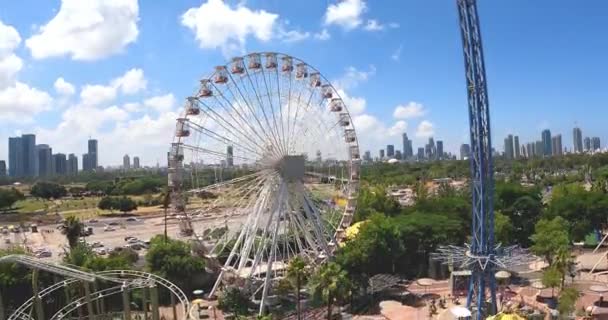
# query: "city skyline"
x,y
128,89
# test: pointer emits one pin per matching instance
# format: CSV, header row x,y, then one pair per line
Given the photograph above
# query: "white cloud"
x,y
294,36
20,102
425,129
132,106
95,95
346,14
323,35
63,87
10,64
131,82
398,128
162,103
353,76
397,54
373,25
393,25
87,30
411,110
218,25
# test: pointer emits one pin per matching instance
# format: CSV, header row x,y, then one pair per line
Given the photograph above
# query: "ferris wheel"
x,y
267,143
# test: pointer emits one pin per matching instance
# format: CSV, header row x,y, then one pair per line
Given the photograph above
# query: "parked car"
x,y
132,219
108,228
96,244
93,221
127,238
44,254
113,223
101,251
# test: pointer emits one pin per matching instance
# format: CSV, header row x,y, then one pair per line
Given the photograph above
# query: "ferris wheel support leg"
x,y
2,315
87,293
37,300
145,300
173,307
154,301
272,250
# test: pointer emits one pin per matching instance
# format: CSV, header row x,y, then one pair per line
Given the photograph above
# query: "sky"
x,y
119,70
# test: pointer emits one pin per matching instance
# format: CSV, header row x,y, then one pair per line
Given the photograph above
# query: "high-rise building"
x,y
516,147
229,156
2,168
509,154
367,156
45,160
539,149
420,153
408,152
530,150
547,143
15,157
60,164
390,151
398,155
72,167
595,143
135,162
439,155
557,145
381,153
431,149
319,156
93,154
30,159
577,143
465,151
126,162
86,162
587,144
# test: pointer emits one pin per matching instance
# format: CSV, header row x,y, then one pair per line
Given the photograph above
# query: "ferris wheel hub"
x,y
291,168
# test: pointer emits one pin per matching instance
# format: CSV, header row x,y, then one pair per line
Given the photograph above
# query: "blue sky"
x,y
127,66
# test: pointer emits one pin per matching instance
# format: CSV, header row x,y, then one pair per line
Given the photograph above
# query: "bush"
x,y
48,190
123,204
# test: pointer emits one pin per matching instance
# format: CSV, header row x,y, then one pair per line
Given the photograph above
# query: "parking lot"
x,y
109,233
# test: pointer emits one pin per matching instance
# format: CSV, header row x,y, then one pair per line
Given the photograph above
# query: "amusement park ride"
x,y
263,113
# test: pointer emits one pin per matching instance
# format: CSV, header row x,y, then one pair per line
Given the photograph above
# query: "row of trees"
x,y
123,204
8,197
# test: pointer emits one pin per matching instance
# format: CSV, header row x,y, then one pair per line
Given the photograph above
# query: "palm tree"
x,y
297,274
330,282
72,229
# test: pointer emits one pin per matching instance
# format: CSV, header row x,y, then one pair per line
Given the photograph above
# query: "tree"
x,y
173,260
503,229
549,238
330,283
297,274
234,300
551,279
126,204
123,204
48,190
72,229
8,197
567,301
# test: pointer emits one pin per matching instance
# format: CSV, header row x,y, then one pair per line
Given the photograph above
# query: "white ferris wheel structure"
x,y
265,139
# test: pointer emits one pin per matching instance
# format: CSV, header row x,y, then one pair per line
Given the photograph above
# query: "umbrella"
x,y
502,275
460,312
425,282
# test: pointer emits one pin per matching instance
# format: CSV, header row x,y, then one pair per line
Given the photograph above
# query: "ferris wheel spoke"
x,y
231,126
215,153
271,136
222,139
269,95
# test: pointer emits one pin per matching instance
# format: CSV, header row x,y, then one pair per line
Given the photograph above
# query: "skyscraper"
x,y
86,162
2,168
72,166
439,155
530,150
595,143
381,153
93,154
398,155
15,157
420,154
509,147
408,152
135,162
587,144
45,160
60,164
516,147
229,156
539,149
126,162
547,145
465,151
30,160
557,145
431,150
390,151
577,137
367,156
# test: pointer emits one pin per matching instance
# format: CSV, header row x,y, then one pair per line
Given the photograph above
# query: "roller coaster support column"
x,y
154,302
126,302
87,297
2,316
37,300
145,301
101,309
173,307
